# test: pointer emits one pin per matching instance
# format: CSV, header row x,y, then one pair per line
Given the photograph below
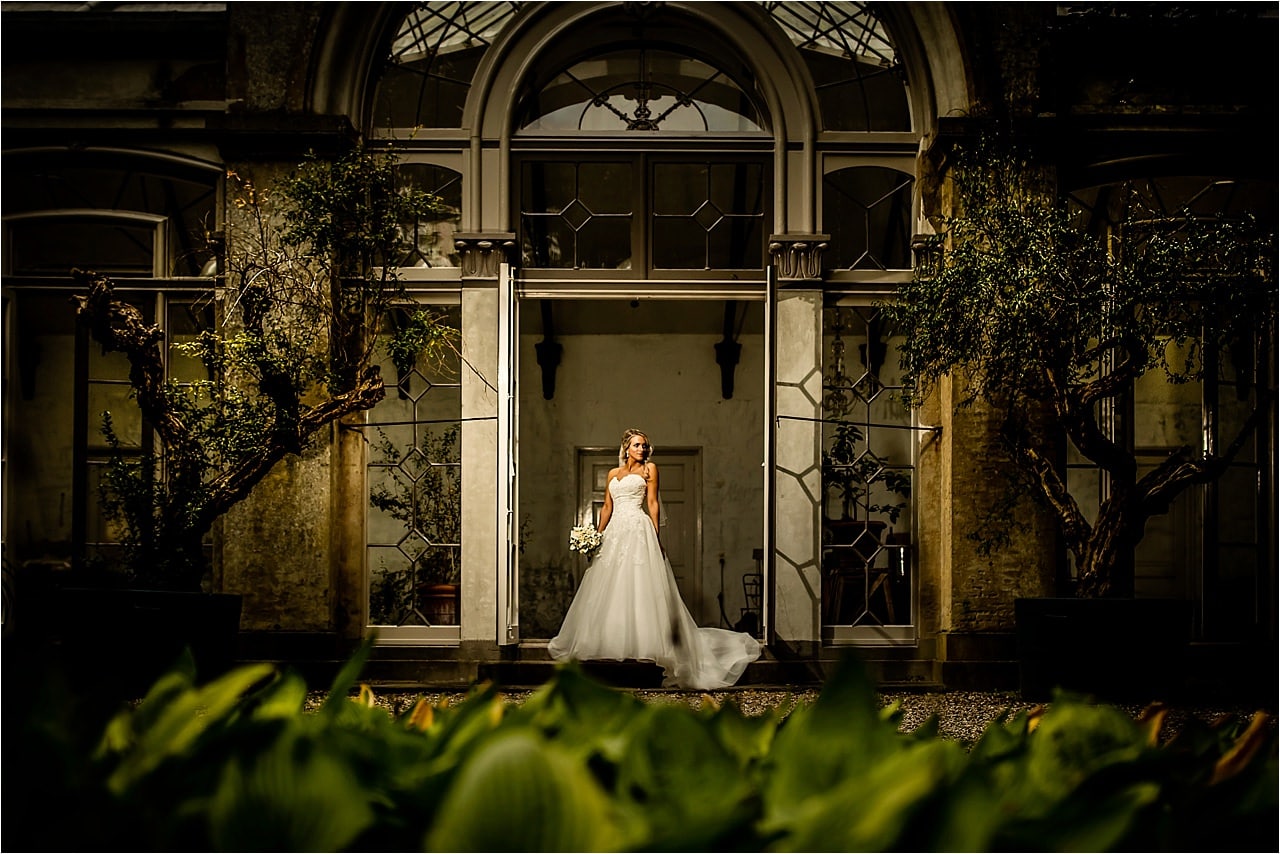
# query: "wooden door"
x,y
681,481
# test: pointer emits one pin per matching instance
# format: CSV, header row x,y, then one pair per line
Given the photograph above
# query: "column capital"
x,y
482,253
798,257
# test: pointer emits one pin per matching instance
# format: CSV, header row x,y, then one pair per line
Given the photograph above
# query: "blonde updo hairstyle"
x,y
626,441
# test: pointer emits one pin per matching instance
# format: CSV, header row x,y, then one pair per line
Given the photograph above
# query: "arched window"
x,y
433,238
640,89
146,220
123,212
433,57
860,82
650,79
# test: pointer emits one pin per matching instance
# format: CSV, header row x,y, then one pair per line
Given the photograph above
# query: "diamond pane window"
x,y
577,215
708,216
414,513
867,474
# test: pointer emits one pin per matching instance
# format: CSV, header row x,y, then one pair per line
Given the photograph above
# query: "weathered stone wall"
x,y
276,546
979,590
269,55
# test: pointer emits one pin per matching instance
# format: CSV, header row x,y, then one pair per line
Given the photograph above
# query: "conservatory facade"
x,y
679,217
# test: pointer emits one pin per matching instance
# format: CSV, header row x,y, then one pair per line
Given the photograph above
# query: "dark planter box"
x,y
121,640
1131,650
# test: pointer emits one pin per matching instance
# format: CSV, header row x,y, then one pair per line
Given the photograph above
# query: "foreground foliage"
x,y
240,764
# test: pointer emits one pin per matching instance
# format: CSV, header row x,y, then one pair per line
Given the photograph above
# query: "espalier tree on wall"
x,y
309,275
1046,318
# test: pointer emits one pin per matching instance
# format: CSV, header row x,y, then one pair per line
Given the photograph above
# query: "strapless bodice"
x,y
628,492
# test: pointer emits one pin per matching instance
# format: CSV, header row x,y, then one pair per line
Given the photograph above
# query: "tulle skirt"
x,y
628,607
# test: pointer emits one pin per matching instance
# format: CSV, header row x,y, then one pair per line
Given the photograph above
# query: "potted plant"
x,y
307,274
1045,319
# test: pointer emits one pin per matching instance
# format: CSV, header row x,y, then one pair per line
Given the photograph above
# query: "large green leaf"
x,y
298,796
169,728
521,793
842,734
872,807
676,775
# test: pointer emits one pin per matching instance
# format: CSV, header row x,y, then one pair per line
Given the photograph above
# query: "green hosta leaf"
x,y
749,738
172,728
521,793
818,747
1101,824
461,728
295,797
1074,740
968,817
283,698
872,807
580,713
681,780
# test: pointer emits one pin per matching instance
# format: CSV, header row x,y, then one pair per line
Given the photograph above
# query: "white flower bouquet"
x,y
585,539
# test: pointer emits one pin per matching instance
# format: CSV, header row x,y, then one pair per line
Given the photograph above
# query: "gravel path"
x,y
962,715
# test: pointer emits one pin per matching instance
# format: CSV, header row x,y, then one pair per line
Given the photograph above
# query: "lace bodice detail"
x,y
628,493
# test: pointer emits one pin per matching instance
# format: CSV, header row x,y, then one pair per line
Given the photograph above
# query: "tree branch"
x,y
1159,487
237,482
1074,527
120,328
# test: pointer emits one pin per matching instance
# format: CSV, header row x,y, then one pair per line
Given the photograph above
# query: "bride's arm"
x,y
651,496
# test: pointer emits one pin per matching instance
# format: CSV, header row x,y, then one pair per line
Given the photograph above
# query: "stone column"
x,y
482,257
797,583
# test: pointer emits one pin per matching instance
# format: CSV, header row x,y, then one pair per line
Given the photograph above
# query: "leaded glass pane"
x,y
432,59
431,238
640,89
605,188
867,474
860,82
414,514
867,212
708,216
576,215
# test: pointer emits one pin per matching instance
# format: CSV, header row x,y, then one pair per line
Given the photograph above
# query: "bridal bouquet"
x,y
585,539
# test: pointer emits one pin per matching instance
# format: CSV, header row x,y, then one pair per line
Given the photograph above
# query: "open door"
x,y
508,582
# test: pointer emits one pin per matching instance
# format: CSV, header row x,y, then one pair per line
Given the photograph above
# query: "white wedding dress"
x,y
629,608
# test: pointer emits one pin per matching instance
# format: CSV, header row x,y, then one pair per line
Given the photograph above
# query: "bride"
x,y
628,606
